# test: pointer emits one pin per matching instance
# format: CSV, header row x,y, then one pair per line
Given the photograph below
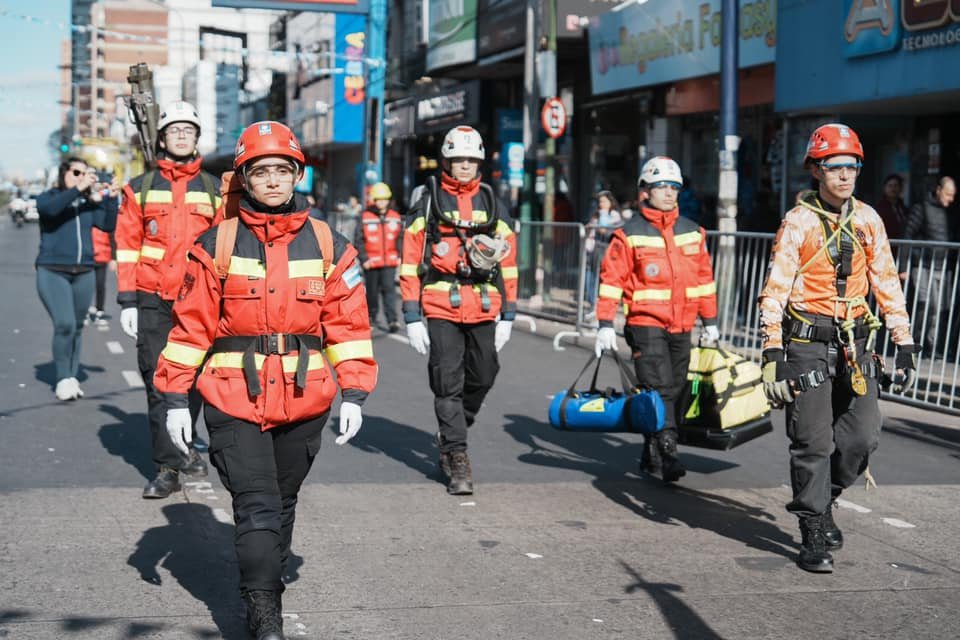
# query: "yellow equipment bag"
x,y
722,405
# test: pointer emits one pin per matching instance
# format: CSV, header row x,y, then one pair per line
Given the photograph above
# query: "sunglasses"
x,y
78,172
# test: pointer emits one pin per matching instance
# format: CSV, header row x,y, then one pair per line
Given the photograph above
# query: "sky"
x,y
30,81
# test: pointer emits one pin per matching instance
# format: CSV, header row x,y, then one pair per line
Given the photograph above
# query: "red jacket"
x,y
153,236
378,239
658,266
102,246
444,295
278,283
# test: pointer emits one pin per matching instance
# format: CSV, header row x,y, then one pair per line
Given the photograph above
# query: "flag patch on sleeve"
x,y
353,276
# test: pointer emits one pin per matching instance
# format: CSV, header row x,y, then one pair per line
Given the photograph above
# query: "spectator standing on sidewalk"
x,y
604,221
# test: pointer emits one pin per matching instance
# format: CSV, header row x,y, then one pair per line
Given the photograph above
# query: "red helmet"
x,y
833,140
266,138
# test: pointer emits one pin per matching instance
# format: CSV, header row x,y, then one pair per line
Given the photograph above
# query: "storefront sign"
x,y
501,25
667,40
459,105
572,15
325,6
453,33
874,51
349,87
509,125
512,155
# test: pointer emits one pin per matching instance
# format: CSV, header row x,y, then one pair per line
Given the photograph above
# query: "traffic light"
x,y
64,148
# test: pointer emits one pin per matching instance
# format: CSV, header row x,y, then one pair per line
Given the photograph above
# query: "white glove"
x,y
711,334
351,417
180,428
418,337
606,339
502,335
128,321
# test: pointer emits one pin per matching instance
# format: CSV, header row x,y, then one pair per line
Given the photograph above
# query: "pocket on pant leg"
x,y
222,441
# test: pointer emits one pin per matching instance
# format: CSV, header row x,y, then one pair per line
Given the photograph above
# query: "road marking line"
x,y
201,484
846,504
533,556
468,504
398,338
133,378
898,523
221,515
114,347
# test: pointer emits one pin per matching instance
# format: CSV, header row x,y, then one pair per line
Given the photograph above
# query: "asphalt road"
x,y
562,539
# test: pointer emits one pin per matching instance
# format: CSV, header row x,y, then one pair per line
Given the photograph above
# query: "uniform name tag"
x,y
315,287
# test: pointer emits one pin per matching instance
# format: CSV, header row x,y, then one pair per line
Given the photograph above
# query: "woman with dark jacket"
x,y
65,266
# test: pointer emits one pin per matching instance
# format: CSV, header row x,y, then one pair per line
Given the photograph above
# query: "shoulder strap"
x,y
208,187
325,241
226,241
145,185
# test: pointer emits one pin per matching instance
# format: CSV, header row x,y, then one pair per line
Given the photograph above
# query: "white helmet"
x,y
463,142
178,111
660,169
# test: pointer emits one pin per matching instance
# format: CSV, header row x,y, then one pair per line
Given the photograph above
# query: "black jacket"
x,y
928,221
66,218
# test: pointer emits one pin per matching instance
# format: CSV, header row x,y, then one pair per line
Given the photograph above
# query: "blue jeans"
x,y
66,297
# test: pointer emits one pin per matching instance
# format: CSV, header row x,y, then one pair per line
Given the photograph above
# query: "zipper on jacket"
x,y
79,237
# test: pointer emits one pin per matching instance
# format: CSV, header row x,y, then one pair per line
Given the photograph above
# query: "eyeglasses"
x,y
175,132
665,184
279,172
844,168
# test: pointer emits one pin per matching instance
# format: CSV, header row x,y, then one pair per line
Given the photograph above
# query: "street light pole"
x,y
729,144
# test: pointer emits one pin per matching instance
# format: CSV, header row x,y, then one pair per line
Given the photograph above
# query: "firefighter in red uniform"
x,y
377,240
657,264
459,271
265,297
164,211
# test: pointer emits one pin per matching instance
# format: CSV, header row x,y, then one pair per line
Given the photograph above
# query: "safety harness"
x,y
839,245
467,273
274,343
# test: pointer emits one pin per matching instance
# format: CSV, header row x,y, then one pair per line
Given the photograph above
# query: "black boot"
x,y
264,619
650,457
194,466
672,468
831,532
394,327
443,461
813,549
166,482
461,477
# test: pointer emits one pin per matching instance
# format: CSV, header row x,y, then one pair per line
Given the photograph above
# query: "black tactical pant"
x,y
263,471
463,366
380,282
661,360
832,431
154,322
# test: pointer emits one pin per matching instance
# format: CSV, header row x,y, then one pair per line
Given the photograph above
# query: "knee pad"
x,y
257,512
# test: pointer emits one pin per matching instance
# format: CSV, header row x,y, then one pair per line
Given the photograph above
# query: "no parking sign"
x,y
553,117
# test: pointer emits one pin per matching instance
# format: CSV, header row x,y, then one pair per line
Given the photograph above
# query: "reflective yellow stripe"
x,y
510,272
250,267
354,350
234,360
480,216
686,238
157,197
445,286
651,294
182,354
438,286
610,291
647,241
306,268
703,290
128,255
409,270
417,225
504,229
155,253
197,197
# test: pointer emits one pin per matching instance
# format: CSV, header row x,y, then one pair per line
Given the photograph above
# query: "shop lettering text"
x,y
684,35
354,83
440,106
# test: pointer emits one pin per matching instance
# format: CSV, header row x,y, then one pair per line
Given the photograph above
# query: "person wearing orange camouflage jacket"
x,y
818,331
258,310
459,271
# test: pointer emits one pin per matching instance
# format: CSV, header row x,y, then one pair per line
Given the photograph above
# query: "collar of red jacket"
x,y
273,226
456,188
175,172
660,219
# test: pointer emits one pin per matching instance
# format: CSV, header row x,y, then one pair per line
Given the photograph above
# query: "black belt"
x,y
824,332
269,344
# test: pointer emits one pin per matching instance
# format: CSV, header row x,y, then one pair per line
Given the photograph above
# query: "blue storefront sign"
x,y
512,159
668,40
349,87
865,51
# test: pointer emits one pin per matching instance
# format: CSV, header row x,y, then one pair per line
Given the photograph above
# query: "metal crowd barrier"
x,y
552,264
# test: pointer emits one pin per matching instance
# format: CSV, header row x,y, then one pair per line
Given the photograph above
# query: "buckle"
x,y
274,343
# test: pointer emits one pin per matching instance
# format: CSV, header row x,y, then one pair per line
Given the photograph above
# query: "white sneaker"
x,y
100,320
67,389
78,392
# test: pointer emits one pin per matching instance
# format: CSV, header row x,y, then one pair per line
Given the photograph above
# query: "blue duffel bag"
x,y
632,409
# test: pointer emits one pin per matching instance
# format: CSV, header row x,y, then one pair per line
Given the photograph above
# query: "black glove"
x,y
775,385
906,368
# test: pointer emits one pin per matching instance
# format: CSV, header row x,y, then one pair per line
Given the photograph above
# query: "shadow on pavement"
x,y
197,551
128,438
679,618
405,444
47,372
605,456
